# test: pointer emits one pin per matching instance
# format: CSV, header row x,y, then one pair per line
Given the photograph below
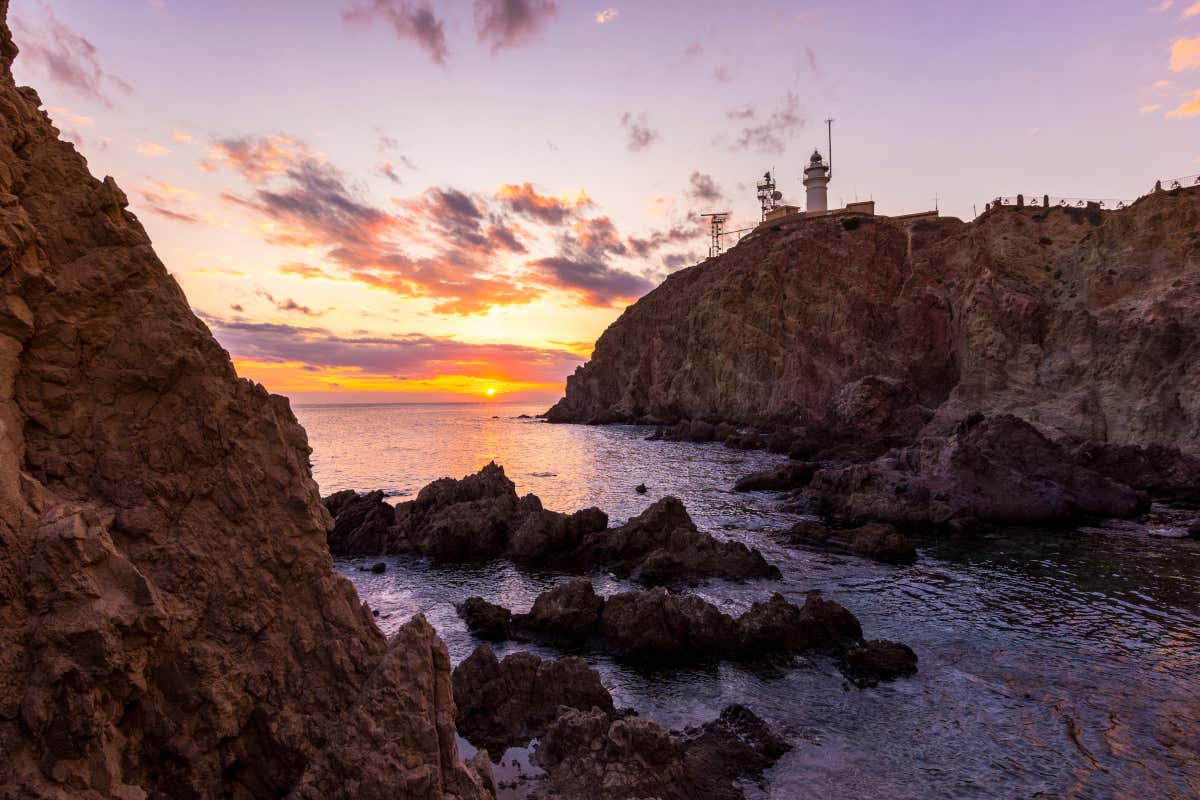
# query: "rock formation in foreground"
x,y
481,516
852,332
170,622
666,627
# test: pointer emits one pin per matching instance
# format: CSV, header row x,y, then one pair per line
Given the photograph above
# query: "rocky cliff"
x,y
170,623
1085,323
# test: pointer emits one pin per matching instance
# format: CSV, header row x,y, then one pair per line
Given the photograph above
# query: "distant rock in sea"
x,y
170,623
837,340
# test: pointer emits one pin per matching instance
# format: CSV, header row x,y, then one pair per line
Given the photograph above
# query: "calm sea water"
x,y
1052,665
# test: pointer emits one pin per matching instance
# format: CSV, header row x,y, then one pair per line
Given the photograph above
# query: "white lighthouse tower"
x,y
816,183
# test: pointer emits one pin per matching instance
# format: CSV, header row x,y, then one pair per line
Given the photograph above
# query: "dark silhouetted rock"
x,y
502,704
655,622
570,611
379,568
1162,472
587,755
640,488
878,660
360,523
547,535
486,620
990,471
877,540
791,475
662,545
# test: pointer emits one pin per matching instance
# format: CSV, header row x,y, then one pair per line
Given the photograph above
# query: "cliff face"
x,y
170,623
1084,323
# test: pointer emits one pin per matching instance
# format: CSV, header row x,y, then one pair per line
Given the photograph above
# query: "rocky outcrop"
x,y
503,704
873,331
656,624
587,755
486,620
482,517
1162,472
789,475
170,622
991,471
876,540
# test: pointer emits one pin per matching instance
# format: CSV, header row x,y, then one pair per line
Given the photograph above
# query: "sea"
x,y
1052,664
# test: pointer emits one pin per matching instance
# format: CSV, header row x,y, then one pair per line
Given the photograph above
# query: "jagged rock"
x,y
878,660
876,540
545,535
170,623
486,620
737,744
503,704
1162,472
792,475
778,626
662,545
588,756
990,471
481,517
1083,323
655,622
360,523
570,610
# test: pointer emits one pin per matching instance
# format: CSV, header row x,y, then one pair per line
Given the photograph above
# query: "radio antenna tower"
x,y
768,196
829,129
717,222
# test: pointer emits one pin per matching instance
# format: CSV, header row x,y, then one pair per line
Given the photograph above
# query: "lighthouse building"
x,y
816,184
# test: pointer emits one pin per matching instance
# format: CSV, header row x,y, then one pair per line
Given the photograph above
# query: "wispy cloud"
x,y
152,149
1191,108
1191,11
524,199
288,304
703,188
1150,109
510,23
723,73
771,135
180,136
1165,5
606,16
258,158
640,134
409,20
1185,54
65,57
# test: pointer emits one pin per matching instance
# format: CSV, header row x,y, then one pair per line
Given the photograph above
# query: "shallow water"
x,y
1051,665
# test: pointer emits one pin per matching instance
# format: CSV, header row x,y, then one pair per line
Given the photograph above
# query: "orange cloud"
x,y
1191,11
1150,109
1185,54
524,199
152,149
180,136
258,159
1189,109
606,16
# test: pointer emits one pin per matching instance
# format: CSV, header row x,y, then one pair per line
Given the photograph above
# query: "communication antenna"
x,y
768,195
829,130
716,221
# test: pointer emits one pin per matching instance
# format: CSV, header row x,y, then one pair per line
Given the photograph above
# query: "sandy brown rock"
x,y
503,704
170,622
1086,324
990,471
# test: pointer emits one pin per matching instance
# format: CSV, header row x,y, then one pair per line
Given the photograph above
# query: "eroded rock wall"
x,y
1083,323
170,622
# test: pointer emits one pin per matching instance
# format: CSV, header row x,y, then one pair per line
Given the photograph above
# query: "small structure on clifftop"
x,y
816,183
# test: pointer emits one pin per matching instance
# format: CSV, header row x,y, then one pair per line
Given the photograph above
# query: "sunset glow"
x,y
470,228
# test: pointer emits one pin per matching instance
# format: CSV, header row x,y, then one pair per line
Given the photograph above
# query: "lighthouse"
x,y
816,183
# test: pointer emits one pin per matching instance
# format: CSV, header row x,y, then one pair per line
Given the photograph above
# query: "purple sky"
x,y
372,198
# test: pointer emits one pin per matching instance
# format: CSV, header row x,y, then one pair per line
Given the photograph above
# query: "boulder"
x,y
360,523
657,623
992,471
569,611
1162,472
662,545
545,535
486,620
878,660
503,704
587,755
820,625
876,540
790,475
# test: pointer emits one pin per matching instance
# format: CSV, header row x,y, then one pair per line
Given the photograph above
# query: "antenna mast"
x,y
717,222
768,196
829,129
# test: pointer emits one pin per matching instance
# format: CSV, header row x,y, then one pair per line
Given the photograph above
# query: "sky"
x,y
415,200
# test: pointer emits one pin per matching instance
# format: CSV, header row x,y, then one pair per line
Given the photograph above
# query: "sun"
x,y
491,392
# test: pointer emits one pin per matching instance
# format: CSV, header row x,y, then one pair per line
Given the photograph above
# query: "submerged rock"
x,y
878,660
876,540
990,471
503,704
171,623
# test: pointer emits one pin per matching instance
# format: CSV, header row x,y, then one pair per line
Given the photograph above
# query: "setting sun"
x,y
491,392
